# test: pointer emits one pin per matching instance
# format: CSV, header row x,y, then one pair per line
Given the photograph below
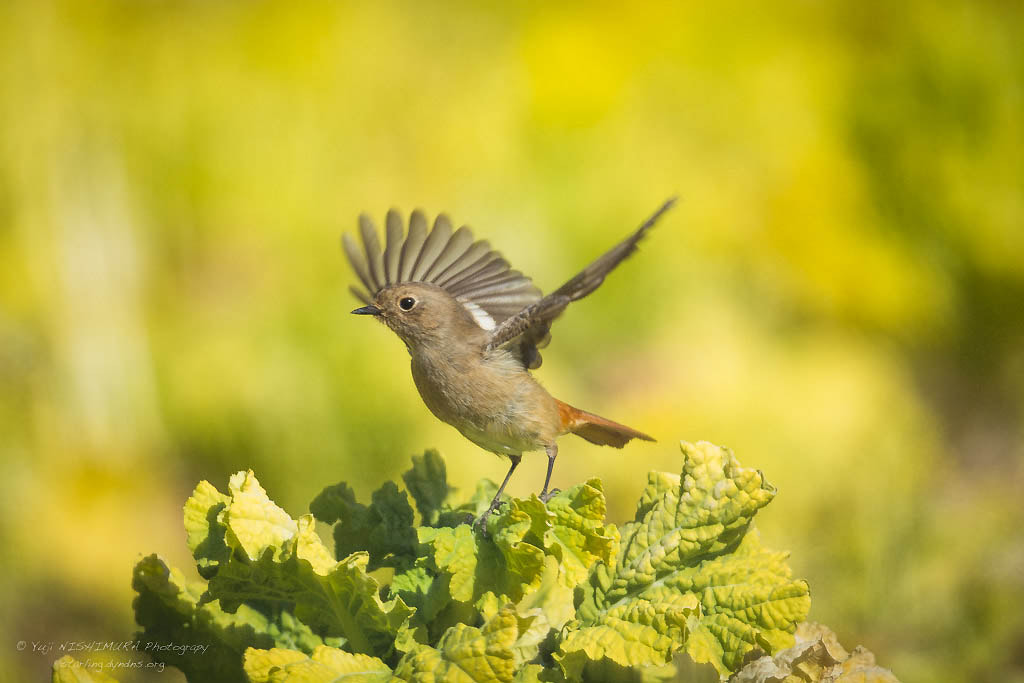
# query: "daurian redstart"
x,y
473,327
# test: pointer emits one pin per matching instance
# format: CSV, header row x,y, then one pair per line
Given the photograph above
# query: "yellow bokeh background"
x,y
838,296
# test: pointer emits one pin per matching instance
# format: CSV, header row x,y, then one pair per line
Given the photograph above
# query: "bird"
x,y
474,328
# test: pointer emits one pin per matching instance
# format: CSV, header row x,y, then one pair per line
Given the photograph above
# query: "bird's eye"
x,y
407,303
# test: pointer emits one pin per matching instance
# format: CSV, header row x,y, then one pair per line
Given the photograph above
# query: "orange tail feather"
x,y
595,428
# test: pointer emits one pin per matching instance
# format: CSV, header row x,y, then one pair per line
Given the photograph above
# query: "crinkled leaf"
x,y
258,664
384,529
543,610
427,483
533,631
455,552
277,561
521,552
578,531
339,599
531,673
552,596
673,582
324,665
67,669
422,589
644,631
254,522
474,564
204,531
748,601
509,559
168,609
687,581
571,527
466,654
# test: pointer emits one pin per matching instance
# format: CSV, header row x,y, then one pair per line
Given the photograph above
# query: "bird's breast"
x,y
488,397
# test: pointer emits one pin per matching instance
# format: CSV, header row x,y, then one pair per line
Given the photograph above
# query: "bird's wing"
x,y
527,331
470,271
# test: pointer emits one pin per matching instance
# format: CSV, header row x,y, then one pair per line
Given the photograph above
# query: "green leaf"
x,y
456,552
571,527
259,664
335,599
683,589
531,673
427,483
552,595
384,529
67,669
522,553
748,601
324,665
278,563
422,589
673,582
509,559
641,632
169,610
254,522
503,564
203,529
466,654
532,555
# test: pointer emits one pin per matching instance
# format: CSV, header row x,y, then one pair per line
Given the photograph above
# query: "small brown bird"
x,y
473,327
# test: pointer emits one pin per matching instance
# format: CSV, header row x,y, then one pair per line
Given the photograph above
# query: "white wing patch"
x,y
482,318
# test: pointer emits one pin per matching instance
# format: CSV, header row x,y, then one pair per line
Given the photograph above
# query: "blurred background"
x,y
838,297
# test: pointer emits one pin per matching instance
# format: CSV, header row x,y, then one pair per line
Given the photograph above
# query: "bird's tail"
x,y
595,428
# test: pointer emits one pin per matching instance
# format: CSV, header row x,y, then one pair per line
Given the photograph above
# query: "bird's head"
x,y
421,314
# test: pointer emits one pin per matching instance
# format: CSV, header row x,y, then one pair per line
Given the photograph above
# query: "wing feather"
x,y
412,245
456,247
470,271
501,300
504,285
526,331
460,265
454,278
358,263
432,248
496,268
393,250
371,245
361,295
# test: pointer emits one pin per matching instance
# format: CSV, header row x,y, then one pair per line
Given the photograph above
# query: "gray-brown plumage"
x,y
473,327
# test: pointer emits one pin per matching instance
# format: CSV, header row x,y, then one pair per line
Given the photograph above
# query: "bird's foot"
x,y
545,497
481,522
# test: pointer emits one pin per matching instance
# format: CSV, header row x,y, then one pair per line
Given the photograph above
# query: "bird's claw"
x,y
481,522
545,497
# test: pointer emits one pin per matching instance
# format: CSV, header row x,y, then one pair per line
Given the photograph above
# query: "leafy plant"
x,y
549,593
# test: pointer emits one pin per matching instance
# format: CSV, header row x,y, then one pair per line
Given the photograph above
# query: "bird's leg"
x,y
496,503
552,452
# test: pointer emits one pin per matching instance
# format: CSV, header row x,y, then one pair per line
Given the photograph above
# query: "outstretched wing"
x,y
473,273
527,331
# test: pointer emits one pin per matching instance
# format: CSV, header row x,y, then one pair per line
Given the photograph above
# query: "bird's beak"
x,y
367,310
